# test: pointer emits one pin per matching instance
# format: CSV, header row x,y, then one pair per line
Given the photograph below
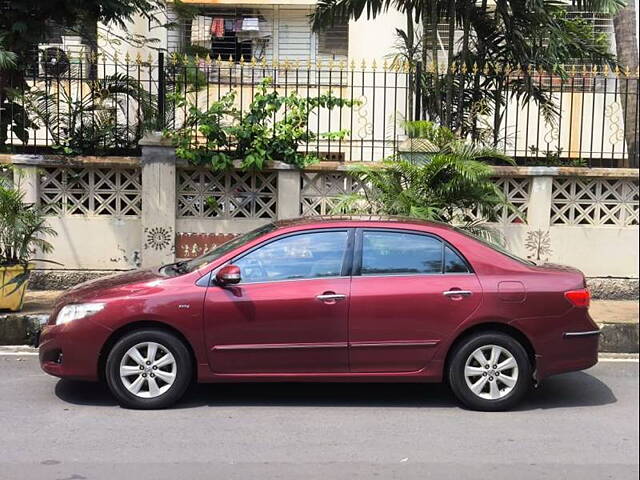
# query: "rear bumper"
x,y
562,344
72,350
578,351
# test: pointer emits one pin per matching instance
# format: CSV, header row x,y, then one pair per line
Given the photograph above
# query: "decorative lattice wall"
x,y
91,191
321,191
596,201
6,175
204,194
517,191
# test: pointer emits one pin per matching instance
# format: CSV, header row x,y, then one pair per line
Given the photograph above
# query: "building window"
x,y
281,32
333,42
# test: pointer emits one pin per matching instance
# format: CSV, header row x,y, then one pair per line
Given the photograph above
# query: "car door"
x,y
288,314
408,291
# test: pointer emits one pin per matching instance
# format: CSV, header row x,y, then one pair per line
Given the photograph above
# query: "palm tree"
x,y
452,183
527,35
88,117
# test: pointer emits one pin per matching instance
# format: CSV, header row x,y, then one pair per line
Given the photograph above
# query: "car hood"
x,y
111,285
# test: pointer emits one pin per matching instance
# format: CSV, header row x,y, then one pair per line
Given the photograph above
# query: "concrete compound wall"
x,y
122,213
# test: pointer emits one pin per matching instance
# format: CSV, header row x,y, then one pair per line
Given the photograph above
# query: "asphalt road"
x,y
581,425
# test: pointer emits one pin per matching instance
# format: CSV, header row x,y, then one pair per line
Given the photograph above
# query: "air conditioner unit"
x,y
64,60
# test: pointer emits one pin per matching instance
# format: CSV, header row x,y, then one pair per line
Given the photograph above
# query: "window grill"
x,y
276,32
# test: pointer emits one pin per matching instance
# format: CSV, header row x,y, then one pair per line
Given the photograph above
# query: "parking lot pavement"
x,y
580,425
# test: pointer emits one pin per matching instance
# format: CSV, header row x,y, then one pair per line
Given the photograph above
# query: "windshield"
x,y
220,250
495,247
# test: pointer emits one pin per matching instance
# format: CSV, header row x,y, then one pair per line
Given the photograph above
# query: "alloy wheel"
x,y
491,372
148,369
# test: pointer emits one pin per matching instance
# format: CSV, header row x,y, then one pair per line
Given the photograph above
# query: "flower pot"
x,y
13,283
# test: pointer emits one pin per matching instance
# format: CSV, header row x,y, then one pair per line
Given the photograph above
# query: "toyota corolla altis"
x,y
340,299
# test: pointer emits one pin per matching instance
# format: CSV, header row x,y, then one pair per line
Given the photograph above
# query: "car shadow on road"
x,y
578,389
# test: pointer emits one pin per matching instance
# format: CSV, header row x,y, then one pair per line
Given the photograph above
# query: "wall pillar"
x,y
540,197
288,200
158,165
25,176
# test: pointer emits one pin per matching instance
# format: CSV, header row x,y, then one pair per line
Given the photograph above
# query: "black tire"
x,y
462,390
168,342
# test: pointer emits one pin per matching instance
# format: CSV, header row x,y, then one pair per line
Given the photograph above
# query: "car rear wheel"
x,y
148,369
490,371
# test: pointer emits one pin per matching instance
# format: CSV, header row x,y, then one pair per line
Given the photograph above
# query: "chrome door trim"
x,y
589,333
457,293
397,343
279,346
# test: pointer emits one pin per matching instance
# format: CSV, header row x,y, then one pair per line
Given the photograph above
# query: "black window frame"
x,y
356,269
347,257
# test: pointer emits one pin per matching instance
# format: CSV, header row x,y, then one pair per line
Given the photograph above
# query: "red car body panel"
x,y
387,328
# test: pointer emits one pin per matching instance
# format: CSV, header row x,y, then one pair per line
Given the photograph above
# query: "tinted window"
x,y
308,255
453,263
398,253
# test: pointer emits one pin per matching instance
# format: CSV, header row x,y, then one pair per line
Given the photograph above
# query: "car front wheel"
x,y
148,369
490,371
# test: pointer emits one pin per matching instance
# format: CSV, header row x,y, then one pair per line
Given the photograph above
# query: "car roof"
x,y
322,220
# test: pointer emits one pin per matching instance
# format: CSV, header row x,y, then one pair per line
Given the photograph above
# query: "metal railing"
x,y
90,106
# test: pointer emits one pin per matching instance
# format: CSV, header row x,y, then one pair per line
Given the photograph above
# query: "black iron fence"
x,y
86,106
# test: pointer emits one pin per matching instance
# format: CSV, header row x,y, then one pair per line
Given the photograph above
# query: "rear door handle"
x,y
457,293
331,297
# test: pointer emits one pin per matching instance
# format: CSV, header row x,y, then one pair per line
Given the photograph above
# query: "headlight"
x,y
76,311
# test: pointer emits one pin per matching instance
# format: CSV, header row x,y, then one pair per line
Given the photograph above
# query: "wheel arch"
x,y
492,327
140,325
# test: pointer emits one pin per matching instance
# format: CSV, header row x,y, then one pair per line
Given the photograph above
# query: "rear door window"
x,y
396,253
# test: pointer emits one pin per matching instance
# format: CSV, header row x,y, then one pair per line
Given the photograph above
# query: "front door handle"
x,y
457,293
328,297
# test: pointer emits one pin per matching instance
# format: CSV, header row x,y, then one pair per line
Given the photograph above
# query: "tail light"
x,y
579,298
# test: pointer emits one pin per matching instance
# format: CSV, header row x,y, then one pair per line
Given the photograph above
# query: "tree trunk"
x,y
434,57
451,13
624,24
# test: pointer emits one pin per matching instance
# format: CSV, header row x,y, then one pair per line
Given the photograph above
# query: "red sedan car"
x,y
331,299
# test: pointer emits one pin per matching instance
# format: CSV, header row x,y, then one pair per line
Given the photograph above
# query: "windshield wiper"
x,y
177,267
181,266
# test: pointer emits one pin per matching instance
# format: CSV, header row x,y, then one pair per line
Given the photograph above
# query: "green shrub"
x,y
222,133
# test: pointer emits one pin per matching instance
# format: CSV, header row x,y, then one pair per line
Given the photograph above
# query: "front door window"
x,y
297,257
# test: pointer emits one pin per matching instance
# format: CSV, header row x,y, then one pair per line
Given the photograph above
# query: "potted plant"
x,y
22,231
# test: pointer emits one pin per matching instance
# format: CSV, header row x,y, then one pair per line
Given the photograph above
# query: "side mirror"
x,y
228,275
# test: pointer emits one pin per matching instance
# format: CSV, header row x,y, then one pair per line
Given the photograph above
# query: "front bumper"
x,y
72,350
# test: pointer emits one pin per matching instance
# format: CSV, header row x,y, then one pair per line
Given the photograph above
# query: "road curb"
x,y
19,329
